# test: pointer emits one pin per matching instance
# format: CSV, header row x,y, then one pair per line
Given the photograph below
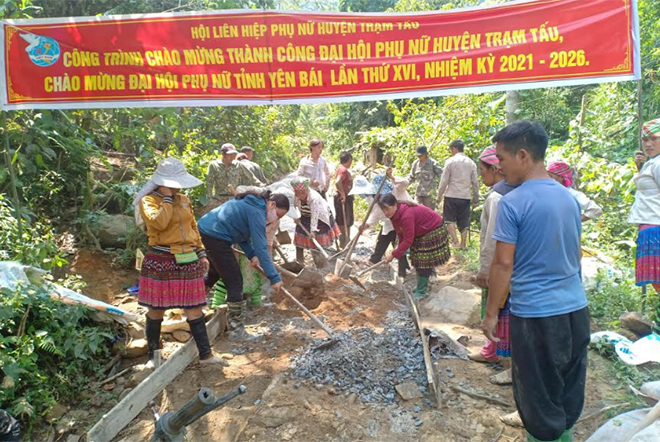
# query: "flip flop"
x,y
502,378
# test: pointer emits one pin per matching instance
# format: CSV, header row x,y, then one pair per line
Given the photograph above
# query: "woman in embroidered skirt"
x,y
315,216
421,230
173,269
645,211
489,169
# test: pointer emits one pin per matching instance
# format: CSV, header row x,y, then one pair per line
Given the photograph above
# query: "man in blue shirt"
x,y
537,259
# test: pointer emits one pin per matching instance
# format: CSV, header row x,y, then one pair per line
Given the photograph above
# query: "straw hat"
x,y
172,173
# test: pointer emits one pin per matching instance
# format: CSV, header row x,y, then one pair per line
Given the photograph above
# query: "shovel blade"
x,y
346,272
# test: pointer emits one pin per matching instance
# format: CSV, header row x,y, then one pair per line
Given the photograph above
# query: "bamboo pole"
x,y
12,178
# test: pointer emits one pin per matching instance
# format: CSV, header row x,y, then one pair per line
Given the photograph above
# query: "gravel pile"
x,y
366,363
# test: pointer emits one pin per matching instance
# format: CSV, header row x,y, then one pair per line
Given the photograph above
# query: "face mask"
x,y
271,216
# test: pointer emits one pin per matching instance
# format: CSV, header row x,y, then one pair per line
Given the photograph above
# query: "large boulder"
x,y
451,305
112,230
636,323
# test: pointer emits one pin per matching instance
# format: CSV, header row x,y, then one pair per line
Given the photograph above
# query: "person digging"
x,y
421,230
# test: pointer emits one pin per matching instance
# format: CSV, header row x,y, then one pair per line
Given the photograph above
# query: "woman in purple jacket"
x,y
421,230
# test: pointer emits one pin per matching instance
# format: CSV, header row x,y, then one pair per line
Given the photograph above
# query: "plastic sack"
x,y
14,274
646,349
619,427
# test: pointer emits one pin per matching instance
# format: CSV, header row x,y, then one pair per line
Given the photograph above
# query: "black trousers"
x,y
223,266
549,367
382,243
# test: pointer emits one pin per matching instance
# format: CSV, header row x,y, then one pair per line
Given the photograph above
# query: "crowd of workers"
x,y
534,305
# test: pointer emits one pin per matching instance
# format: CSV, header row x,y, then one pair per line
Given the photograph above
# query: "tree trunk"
x,y
512,106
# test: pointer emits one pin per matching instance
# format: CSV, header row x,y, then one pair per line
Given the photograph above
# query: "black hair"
x,y
459,145
524,134
314,142
281,201
390,200
345,157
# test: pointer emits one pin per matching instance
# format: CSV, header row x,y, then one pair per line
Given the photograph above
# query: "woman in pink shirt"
x,y
421,230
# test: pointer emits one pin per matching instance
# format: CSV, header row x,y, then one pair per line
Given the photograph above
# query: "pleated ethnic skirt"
x,y
647,258
164,284
431,250
325,236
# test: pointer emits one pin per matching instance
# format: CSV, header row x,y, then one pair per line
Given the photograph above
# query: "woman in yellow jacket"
x,y
172,274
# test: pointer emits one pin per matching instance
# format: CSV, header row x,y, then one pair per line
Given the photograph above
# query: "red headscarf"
x,y
563,170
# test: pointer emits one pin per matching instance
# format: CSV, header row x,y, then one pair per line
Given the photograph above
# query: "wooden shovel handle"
x,y
318,246
371,207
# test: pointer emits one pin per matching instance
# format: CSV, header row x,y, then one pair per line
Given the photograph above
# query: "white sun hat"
x,y
362,186
172,173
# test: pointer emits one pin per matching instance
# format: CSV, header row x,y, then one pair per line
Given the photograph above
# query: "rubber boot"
x,y
236,313
567,436
531,438
422,286
152,333
198,330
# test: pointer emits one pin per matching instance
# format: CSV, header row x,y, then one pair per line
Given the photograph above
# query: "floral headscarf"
x,y
387,187
563,170
488,156
300,183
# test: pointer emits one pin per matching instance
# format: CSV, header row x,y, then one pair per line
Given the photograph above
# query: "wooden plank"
x,y
125,411
428,362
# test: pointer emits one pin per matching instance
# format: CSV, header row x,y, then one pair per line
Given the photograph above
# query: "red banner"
x,y
250,57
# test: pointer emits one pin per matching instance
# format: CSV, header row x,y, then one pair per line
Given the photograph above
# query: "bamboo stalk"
x,y
12,178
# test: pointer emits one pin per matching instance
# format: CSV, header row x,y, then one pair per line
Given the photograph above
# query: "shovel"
x,y
321,261
303,277
370,268
283,237
342,269
331,336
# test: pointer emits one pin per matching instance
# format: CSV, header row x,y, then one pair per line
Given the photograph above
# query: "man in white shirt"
x,y
459,185
315,167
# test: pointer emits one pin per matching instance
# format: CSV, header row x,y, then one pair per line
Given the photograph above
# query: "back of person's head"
x,y
524,134
315,142
241,156
345,157
459,145
281,201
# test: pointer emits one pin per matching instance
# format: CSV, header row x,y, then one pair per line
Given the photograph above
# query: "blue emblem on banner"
x,y
43,51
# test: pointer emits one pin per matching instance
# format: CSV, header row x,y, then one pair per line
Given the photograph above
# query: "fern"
x,y
48,345
23,409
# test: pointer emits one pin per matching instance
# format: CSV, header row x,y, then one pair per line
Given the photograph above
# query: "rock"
x,y
636,323
450,305
181,335
418,422
136,348
72,438
109,386
135,331
227,356
408,391
57,412
626,334
112,230
463,340
274,417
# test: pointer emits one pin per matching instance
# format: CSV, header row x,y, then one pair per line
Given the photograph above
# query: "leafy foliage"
x,y
48,351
